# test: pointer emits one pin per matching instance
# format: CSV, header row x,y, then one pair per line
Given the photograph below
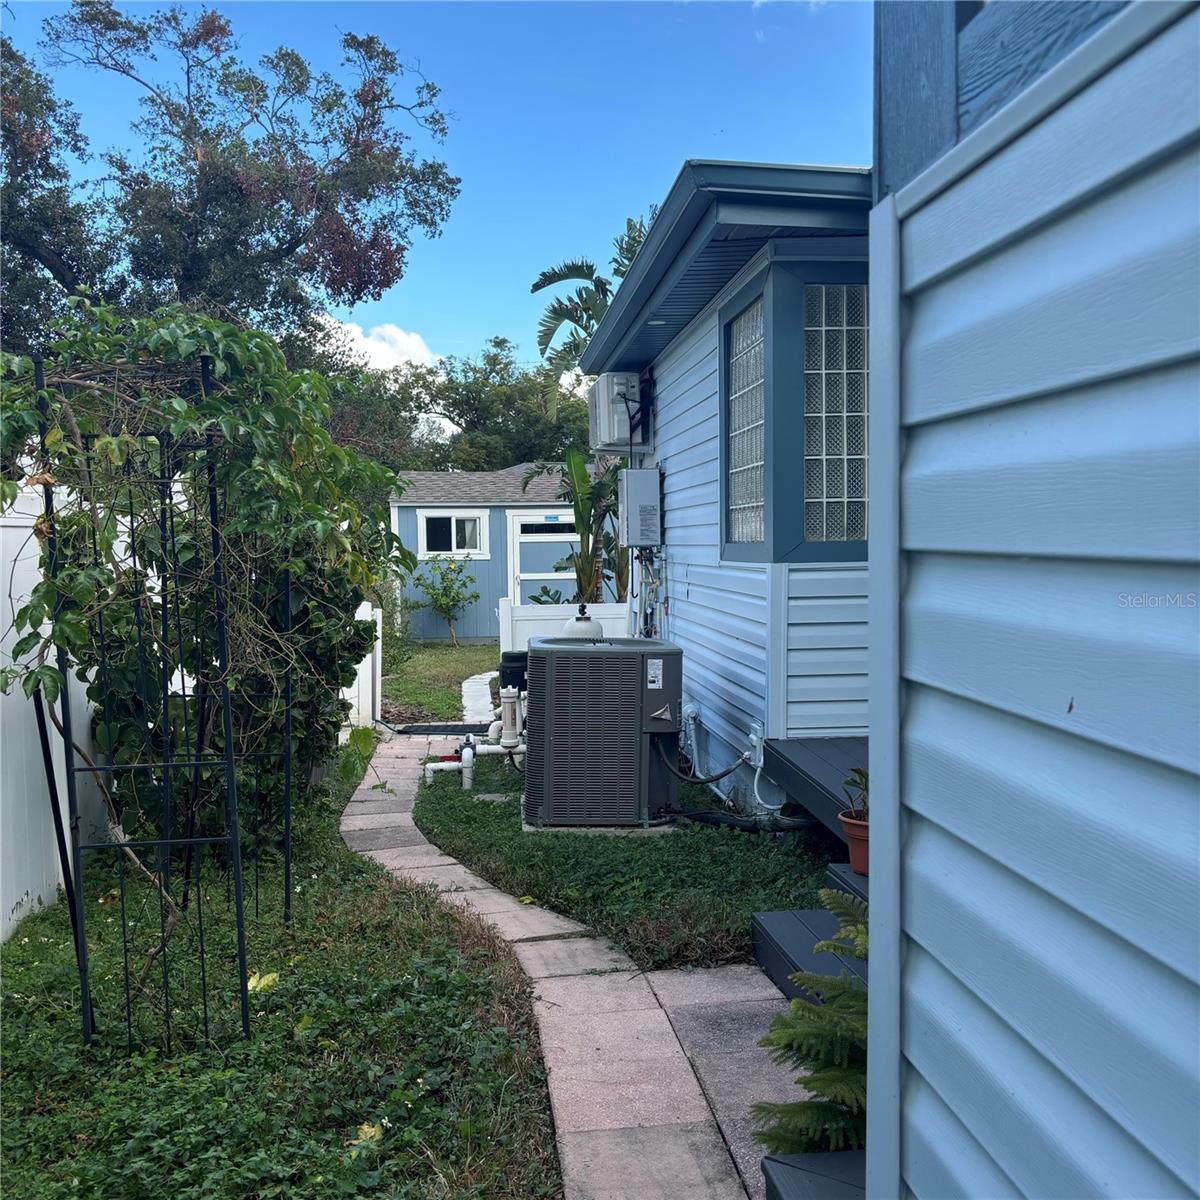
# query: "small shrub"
x,y
826,1042
450,589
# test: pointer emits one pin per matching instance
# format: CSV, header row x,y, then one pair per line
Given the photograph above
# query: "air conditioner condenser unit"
x,y
601,717
612,399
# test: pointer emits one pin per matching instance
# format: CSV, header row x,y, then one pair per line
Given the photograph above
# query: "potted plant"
x,y
856,819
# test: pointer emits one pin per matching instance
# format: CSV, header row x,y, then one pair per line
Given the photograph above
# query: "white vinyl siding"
x,y
716,611
826,651
1036,650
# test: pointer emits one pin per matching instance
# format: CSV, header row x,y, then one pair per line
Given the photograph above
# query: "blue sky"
x,y
567,116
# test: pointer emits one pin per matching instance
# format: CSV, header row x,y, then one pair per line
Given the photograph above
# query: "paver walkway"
x,y
651,1075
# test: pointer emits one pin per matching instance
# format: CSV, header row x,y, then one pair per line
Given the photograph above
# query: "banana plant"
x,y
593,499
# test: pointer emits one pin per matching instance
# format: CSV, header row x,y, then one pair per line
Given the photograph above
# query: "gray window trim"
x,y
781,285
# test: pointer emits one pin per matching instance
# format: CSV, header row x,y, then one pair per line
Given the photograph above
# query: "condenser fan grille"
x,y
593,728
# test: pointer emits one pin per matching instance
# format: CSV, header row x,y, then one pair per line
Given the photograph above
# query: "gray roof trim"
x,y
707,199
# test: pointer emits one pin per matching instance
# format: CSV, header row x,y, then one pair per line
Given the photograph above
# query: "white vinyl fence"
x,y
366,691
29,867
520,622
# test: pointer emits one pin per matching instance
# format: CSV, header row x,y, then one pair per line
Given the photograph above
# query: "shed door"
x,y
1035,641
539,540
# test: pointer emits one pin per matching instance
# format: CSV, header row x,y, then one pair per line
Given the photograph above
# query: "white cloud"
x,y
384,346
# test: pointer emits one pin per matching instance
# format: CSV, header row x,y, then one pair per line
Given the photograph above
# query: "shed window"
x,y
835,412
549,529
458,534
746,425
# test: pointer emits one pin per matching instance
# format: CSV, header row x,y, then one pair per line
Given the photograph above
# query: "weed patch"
x,y
394,1056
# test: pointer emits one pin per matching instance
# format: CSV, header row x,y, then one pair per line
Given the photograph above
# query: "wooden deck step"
x,y
840,877
837,1176
783,945
813,771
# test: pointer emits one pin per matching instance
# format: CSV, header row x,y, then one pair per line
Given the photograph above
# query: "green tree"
x,y
577,314
826,1043
50,237
265,189
483,413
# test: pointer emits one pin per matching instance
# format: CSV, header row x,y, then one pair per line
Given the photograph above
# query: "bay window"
x,y
793,407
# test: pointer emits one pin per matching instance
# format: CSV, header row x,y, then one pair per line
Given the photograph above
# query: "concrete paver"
x,y
380,802
477,697
446,877
619,991
583,1038
711,985
717,1028
662,1162
622,1094
398,858
571,956
485,901
380,820
533,924
384,839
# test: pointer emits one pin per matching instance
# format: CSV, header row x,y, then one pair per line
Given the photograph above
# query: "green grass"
x,y
391,1010
682,898
431,677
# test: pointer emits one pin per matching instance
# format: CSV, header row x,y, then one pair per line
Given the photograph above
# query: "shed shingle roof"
x,y
478,487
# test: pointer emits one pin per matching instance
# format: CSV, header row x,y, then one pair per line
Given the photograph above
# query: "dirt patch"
x,y
398,714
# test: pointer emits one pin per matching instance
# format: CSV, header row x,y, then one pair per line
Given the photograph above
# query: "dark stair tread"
x,y
839,876
783,945
828,1176
812,771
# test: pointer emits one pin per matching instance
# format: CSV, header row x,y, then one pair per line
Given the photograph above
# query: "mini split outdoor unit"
x,y
600,717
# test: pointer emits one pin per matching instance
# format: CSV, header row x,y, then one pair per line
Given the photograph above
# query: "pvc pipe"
x,y
493,733
518,751
440,766
758,798
510,716
468,766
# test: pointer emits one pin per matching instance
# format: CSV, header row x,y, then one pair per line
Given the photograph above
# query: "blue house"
x,y
1028,569
510,538
746,314
1035,602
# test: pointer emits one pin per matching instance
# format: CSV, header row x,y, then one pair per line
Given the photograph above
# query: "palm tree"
x,y
579,312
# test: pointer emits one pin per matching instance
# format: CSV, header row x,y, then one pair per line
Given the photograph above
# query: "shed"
x,y
509,537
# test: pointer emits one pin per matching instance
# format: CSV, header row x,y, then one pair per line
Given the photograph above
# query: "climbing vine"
x,y
140,420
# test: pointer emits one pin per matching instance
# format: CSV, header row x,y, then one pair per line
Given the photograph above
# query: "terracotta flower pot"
x,y
857,833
